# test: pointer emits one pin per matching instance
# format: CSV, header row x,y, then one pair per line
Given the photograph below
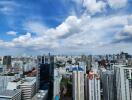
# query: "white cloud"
x,y
117,3
128,29
6,44
125,34
98,6
87,32
22,40
74,34
93,6
70,26
11,33
96,33
35,27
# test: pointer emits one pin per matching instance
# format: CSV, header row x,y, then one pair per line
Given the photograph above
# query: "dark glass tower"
x,y
46,74
7,61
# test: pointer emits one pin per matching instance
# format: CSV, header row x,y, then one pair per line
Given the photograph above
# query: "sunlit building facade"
x,y
78,83
123,77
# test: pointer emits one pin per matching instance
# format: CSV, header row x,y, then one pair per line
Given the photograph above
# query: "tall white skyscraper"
x,y
78,83
57,81
92,86
123,76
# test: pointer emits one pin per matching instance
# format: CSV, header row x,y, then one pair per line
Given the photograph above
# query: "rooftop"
x,y
77,69
9,93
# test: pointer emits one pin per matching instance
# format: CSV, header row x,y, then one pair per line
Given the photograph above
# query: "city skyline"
x,y
53,77
65,26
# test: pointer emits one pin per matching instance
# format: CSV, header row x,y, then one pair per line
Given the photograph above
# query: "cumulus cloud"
x,y
83,33
74,33
94,6
125,35
70,26
117,3
6,44
35,27
99,6
128,29
23,39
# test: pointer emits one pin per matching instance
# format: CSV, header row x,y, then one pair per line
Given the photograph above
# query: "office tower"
x,y
28,87
7,61
92,86
10,95
87,60
123,76
1,68
1,60
44,59
78,83
46,74
57,81
107,79
86,90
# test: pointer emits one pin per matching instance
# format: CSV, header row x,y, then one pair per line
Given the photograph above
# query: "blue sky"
x,y
65,26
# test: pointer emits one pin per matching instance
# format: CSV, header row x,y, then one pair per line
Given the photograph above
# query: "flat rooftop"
x,y
9,93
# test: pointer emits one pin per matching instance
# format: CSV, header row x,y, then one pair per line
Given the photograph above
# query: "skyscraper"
x,y
123,75
108,85
92,86
46,74
7,61
78,83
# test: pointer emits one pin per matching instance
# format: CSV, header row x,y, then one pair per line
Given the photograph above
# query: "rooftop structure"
x,y
28,88
10,95
42,95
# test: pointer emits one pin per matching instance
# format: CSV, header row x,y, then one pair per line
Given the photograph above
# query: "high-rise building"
x,y
57,81
107,79
123,76
44,59
92,86
46,74
7,61
78,83
1,60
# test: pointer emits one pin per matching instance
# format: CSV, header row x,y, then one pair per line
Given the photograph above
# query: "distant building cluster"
x,y
100,77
